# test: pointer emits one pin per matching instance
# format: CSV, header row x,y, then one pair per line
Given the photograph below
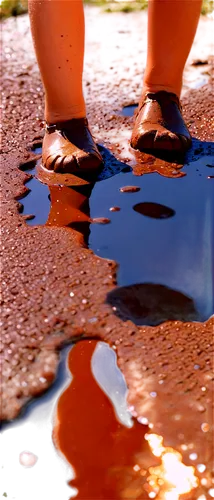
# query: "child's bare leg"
x,y
171,29
58,34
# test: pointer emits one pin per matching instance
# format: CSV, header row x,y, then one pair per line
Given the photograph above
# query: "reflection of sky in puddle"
x,y
129,110
174,251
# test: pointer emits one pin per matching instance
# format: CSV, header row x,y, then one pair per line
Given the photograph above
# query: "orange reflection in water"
x,y
111,461
101,450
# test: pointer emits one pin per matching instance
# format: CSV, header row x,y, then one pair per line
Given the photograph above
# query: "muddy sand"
x,y
55,288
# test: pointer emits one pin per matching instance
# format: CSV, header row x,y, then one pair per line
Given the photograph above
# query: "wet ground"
x,y
154,308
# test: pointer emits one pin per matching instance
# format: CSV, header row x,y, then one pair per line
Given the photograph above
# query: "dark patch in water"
x,y
154,210
151,304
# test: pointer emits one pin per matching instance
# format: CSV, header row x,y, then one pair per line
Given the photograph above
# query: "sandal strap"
x,y
65,125
50,128
160,97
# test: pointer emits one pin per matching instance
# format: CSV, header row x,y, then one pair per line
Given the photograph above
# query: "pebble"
x,y
100,220
205,427
129,189
114,209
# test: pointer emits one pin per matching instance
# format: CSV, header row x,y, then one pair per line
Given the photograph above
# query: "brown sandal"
x,y
159,124
68,147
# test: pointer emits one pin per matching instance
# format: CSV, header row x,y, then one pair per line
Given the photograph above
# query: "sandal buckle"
x,y
50,128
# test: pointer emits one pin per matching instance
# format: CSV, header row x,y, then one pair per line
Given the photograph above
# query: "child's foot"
x,y
68,147
159,124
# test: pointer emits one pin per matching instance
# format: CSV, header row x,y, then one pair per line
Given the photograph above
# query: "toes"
x,y
70,164
50,161
185,141
145,140
88,161
175,141
58,164
180,143
171,142
163,140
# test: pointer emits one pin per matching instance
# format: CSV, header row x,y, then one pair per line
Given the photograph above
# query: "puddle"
x,y
129,110
161,234
200,82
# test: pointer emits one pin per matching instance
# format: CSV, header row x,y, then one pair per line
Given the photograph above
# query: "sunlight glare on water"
x,y
175,477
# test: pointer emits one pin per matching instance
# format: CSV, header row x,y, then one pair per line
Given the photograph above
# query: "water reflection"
x,y
112,459
70,208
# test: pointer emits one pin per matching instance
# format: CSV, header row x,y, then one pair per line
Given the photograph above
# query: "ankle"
x,y
54,115
52,118
158,87
153,84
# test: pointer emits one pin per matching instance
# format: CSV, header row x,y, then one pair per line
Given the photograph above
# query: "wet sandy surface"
x,y
54,292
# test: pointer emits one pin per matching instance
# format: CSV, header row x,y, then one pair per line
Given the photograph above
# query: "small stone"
x,y
131,408
114,209
100,220
92,320
143,420
181,436
134,413
27,459
201,408
129,189
205,427
177,417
